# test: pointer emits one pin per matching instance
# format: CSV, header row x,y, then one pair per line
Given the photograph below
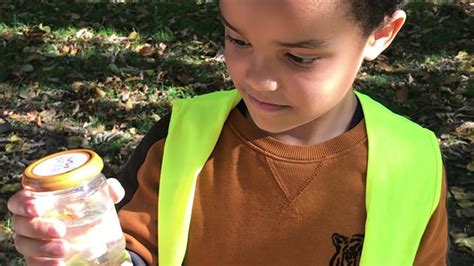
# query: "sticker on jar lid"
x,y
61,164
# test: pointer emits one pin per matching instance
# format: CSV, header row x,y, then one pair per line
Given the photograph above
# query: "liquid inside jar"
x,y
95,241
92,228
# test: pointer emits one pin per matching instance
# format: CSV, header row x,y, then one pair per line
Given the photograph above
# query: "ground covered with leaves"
x,y
98,76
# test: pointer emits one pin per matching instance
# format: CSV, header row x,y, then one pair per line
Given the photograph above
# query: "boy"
x,y
287,176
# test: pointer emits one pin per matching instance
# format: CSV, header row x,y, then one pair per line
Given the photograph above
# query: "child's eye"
x,y
236,42
303,61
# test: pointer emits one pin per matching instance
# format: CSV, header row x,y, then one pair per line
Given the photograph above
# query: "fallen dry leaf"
x,y
73,51
466,130
402,94
9,188
458,235
133,35
161,48
466,242
461,195
7,36
385,66
128,105
146,50
15,143
47,115
100,92
84,34
65,49
470,166
5,233
45,29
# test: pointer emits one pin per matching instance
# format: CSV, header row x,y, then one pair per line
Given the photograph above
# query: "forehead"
x,y
303,7
294,16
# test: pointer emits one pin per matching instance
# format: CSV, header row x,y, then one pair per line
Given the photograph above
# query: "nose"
x,y
260,75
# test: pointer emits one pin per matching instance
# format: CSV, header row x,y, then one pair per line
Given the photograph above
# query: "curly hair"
x,y
371,14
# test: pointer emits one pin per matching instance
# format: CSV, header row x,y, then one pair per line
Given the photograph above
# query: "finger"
x,y
21,203
33,261
30,247
115,190
38,227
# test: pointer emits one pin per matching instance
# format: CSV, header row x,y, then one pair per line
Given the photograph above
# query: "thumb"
x,y
115,190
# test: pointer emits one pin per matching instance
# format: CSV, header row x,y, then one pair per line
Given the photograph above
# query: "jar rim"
x,y
62,170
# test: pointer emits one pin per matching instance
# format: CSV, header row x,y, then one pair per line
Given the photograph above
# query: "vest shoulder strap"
x,y
193,132
403,185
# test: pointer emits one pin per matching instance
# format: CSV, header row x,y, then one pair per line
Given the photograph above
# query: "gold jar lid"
x,y
62,170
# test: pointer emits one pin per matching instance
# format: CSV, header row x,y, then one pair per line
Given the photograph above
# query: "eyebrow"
x,y
308,44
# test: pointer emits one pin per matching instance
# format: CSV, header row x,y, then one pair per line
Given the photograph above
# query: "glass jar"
x,y
71,188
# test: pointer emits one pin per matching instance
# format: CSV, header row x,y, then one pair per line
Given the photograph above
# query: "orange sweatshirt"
x,y
259,201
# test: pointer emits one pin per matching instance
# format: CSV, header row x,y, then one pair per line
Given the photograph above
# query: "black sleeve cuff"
x,y
136,259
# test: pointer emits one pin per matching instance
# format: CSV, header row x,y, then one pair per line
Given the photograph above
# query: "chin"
x,y
270,128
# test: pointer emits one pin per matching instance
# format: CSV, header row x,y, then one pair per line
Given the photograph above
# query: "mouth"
x,y
265,106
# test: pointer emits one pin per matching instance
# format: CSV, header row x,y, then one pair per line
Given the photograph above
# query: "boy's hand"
x,y
40,240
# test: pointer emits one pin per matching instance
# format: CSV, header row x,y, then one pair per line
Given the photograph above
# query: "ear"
x,y
382,37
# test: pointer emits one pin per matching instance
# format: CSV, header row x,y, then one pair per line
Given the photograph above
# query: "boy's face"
x,y
293,62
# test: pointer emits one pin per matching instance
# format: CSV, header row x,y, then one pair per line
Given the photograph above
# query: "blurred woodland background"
x,y
98,75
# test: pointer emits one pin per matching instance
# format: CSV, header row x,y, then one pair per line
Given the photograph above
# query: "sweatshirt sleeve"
x,y
138,211
433,248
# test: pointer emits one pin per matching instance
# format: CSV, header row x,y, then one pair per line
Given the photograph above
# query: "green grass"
x,y
438,28
380,81
163,35
4,28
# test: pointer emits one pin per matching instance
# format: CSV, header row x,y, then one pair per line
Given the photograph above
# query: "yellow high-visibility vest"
x,y
403,183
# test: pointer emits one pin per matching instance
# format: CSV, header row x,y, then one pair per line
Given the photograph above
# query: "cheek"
x,y
234,63
315,91
305,88
345,68
326,81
